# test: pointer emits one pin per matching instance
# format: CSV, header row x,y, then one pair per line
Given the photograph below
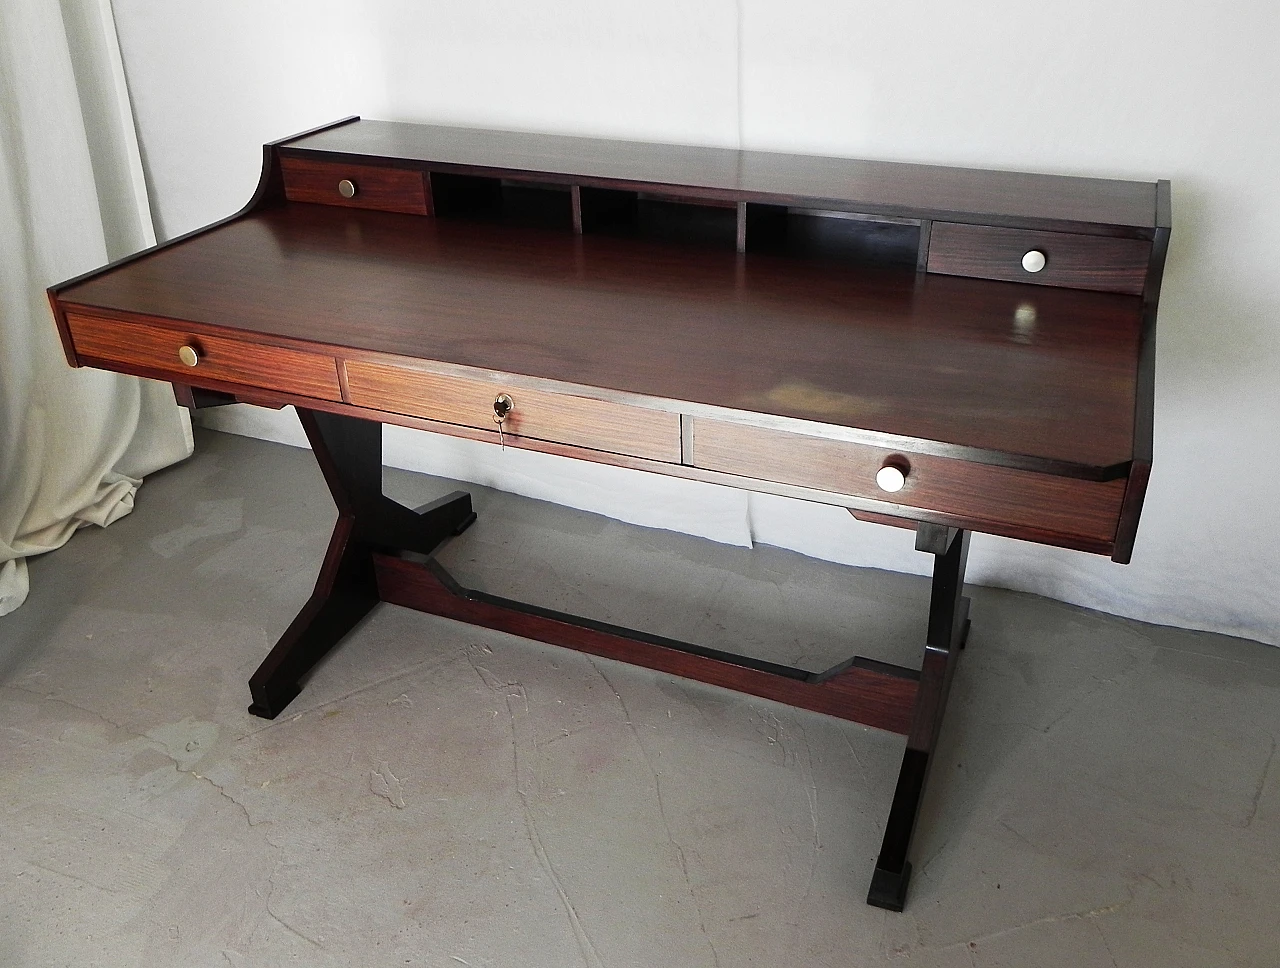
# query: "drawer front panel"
x,y
1002,499
382,189
557,417
218,358
1070,261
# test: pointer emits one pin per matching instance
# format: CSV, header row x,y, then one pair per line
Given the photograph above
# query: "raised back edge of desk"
x,y
268,192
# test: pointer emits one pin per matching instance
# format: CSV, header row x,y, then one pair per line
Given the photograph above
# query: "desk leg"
x,y
349,452
948,629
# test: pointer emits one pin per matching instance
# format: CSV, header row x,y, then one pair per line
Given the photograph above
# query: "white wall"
x,y
1144,89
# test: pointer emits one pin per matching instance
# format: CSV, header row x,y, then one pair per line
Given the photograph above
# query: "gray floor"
x,y
440,795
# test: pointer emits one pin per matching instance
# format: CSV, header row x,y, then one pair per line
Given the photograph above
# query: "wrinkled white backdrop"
x,y
74,444
1144,89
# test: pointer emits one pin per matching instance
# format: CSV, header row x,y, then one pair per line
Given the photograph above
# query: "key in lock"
x,y
502,407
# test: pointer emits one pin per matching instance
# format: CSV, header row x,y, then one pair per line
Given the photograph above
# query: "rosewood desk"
x,y
943,349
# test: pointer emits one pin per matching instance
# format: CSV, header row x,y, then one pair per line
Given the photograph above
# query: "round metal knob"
x,y
188,355
502,406
892,476
347,188
1034,261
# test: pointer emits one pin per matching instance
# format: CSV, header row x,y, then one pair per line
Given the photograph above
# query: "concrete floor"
x,y
441,795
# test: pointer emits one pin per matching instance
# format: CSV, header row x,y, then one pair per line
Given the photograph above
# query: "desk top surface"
x,y
1006,367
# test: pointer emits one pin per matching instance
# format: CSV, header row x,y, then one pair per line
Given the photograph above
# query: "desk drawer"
x,y
382,189
995,499
557,417
217,358
1070,261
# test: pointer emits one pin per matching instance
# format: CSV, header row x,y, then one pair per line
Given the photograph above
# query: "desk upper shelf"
x,y
872,187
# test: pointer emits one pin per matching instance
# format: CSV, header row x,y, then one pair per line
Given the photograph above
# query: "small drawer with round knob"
x,y
197,359
377,187
1064,259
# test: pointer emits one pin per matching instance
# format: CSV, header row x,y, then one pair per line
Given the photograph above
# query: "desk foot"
x,y
345,592
349,452
889,888
948,631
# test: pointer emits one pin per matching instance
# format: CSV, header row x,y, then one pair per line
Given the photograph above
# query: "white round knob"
x,y
1034,261
890,478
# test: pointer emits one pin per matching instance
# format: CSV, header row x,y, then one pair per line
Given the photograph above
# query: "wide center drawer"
x,y
198,360
557,417
999,500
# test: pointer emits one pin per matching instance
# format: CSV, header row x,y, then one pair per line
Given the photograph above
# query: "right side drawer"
x,y
1000,500
1071,261
405,190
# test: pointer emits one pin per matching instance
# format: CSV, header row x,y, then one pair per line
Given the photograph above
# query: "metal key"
x,y
502,408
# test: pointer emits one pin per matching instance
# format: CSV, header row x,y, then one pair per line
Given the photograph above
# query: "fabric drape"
x,y
74,444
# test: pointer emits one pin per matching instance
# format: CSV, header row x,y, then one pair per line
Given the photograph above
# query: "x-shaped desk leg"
x,y
349,452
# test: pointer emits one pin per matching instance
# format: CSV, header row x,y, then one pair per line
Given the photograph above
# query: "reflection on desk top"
x,y
1006,367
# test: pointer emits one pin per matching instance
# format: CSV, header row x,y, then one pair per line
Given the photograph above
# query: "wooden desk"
x,y
943,349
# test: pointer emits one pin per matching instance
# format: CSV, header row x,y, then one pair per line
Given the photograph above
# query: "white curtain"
x,y
74,444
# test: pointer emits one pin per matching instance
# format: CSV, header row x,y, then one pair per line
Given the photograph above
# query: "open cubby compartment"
x,y
660,216
837,236
504,200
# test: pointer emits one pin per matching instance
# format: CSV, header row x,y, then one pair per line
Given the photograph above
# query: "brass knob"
x,y
893,475
188,355
503,406
347,188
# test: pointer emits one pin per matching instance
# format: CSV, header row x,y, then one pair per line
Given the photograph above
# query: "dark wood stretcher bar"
x,y
945,349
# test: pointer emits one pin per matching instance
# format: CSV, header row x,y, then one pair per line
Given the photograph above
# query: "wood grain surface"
x,y
874,187
931,358
378,187
595,424
1073,261
994,497
220,360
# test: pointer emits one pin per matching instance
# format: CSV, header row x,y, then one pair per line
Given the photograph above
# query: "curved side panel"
x,y
270,192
